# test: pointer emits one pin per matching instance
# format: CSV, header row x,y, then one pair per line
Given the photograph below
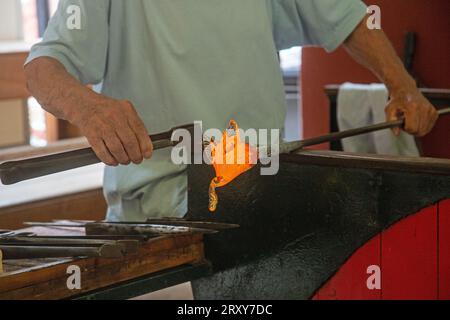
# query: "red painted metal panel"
x,y
409,257
350,282
444,250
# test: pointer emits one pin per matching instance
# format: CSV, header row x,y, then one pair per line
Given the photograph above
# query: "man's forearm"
x,y
373,49
112,127
56,90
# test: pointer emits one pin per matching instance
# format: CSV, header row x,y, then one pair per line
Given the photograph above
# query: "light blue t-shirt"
x,y
179,61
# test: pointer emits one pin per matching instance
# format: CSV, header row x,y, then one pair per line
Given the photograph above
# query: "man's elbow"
x,y
30,71
38,72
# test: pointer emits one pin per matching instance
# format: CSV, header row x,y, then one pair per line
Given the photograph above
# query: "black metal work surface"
x,y
300,226
154,282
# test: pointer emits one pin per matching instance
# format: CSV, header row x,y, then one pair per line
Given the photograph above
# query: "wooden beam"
x,y
52,128
12,77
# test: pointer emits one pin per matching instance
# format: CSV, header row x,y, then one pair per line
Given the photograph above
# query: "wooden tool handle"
x,y
15,171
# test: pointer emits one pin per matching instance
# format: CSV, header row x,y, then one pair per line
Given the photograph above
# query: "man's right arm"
x,y
112,127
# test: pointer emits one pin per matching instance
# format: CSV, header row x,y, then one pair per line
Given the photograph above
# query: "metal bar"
x,y
133,228
55,224
358,131
35,252
140,229
350,133
180,222
192,224
292,147
138,238
15,171
127,246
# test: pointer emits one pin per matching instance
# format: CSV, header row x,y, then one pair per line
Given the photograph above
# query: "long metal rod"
x,y
291,147
179,222
143,229
127,246
31,252
15,171
193,224
124,228
166,223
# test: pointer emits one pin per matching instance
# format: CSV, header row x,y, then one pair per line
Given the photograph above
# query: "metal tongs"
x,y
15,171
12,172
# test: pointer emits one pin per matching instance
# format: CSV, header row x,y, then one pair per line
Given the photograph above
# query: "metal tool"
x,y
126,246
294,146
195,224
102,239
8,233
126,228
178,222
144,229
11,251
15,171
169,221
138,238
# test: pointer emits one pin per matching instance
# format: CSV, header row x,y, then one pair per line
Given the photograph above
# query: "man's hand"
x,y
420,116
112,127
115,131
372,49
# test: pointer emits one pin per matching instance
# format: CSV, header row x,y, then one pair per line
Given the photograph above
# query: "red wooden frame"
x,y
413,256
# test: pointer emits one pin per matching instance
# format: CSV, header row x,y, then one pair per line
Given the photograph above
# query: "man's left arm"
x,y
371,48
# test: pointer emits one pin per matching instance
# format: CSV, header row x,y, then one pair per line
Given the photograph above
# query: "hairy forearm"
x,y
112,127
57,91
372,49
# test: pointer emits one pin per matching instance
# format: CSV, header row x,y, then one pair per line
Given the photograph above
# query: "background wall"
x,y
429,19
10,13
13,113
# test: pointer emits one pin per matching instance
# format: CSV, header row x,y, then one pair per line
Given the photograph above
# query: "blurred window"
x,y
290,60
35,16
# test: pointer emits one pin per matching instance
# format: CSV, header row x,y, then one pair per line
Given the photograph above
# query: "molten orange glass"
x,y
230,157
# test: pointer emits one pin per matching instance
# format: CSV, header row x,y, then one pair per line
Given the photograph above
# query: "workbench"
x,y
160,263
298,231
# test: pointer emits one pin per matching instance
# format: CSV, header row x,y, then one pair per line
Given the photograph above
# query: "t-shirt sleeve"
x,y
325,23
77,36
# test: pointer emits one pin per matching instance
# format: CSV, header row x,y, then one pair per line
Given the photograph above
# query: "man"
x,y
161,63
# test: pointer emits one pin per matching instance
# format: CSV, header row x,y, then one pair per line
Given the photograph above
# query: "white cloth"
x,y
361,105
